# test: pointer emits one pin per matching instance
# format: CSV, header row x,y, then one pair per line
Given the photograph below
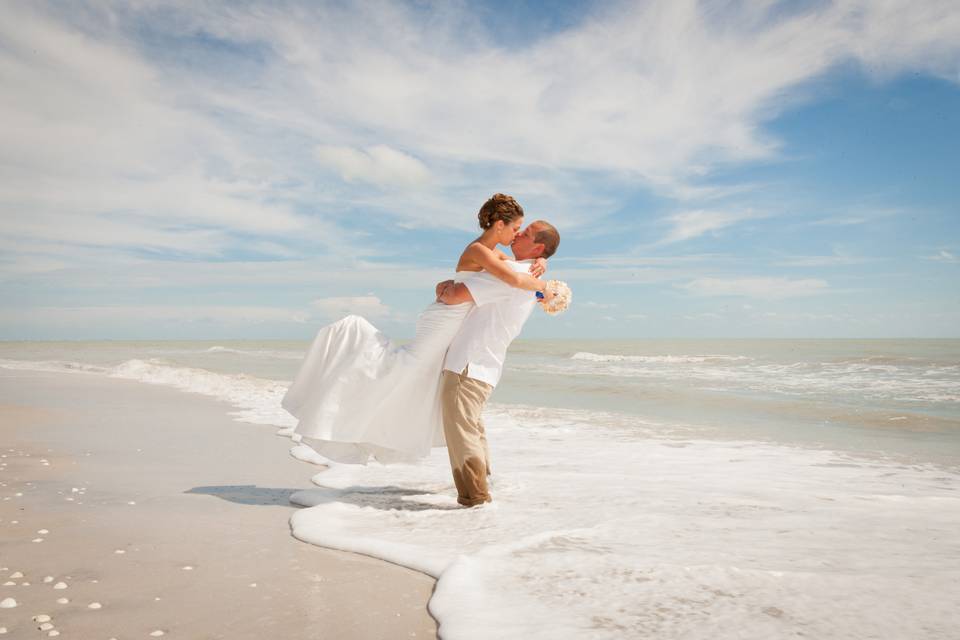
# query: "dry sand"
x,y
169,480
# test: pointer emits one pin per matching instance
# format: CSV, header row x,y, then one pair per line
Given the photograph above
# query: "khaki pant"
x,y
463,399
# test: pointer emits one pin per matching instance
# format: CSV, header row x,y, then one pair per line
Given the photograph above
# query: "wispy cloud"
x,y
368,306
857,216
943,256
590,304
379,165
156,144
232,134
835,260
691,224
87,317
756,287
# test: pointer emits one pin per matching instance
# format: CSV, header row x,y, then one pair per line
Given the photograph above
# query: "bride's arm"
x,y
490,262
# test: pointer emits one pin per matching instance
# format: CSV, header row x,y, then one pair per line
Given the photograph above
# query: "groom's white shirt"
x,y
481,345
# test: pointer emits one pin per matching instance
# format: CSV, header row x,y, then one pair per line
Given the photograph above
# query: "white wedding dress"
x,y
358,395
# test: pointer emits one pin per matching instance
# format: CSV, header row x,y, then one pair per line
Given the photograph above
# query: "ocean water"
x,y
648,488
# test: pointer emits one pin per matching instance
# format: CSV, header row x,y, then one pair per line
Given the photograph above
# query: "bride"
x,y
357,394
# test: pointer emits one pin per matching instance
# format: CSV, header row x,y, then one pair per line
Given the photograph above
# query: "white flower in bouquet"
x,y
562,296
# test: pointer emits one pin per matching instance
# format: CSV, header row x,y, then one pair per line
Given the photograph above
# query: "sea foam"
x,y
595,534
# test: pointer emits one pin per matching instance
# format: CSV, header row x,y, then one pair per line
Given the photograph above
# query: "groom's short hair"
x,y
548,236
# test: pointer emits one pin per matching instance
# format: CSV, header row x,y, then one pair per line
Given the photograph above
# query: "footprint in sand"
x,y
46,626
16,574
47,579
63,600
94,605
60,585
41,618
8,603
157,633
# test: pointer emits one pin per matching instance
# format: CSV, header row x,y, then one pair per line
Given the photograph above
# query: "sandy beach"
x,y
155,513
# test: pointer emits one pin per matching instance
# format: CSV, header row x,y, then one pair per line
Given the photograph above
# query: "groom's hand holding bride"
x,y
442,289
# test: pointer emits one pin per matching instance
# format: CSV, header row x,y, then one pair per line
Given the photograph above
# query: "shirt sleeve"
x,y
486,288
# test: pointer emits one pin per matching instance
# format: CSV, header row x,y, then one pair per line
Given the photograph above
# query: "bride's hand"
x,y
538,268
548,295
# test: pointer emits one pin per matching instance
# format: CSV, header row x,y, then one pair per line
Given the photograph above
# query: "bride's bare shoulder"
x,y
468,259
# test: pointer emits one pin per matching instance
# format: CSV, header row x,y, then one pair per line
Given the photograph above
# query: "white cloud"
x,y
368,306
860,215
97,119
706,315
378,164
835,260
943,256
756,287
691,224
132,315
214,130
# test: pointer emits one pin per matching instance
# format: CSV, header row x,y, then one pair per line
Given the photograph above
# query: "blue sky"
x,y
255,170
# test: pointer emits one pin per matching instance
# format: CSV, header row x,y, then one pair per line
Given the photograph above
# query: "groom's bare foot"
x,y
476,502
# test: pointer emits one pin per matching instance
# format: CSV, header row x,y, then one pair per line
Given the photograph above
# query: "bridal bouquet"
x,y
562,296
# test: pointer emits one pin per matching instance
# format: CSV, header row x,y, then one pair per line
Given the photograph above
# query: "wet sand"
x,y
156,506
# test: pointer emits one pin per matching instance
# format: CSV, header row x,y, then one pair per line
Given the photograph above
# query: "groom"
x,y
475,358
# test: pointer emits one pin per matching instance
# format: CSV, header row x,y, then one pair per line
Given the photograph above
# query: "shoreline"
x,y
134,483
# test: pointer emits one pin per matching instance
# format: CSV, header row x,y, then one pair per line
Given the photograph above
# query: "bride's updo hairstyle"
x,y
499,207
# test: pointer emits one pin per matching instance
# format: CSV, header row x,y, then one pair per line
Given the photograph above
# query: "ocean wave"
x,y
257,399
835,380
262,353
602,357
51,366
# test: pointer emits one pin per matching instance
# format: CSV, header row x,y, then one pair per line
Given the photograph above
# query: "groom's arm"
x,y
481,288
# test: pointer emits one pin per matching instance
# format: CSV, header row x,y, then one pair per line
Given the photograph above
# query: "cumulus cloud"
x,y
756,287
